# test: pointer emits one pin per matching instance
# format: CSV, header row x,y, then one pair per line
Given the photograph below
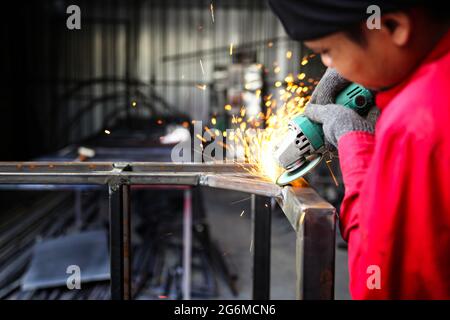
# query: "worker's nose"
x,y
327,60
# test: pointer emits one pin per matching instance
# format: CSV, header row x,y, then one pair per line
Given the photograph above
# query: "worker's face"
x,y
382,61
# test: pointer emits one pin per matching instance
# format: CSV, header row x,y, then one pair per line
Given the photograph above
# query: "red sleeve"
x,y
355,153
395,214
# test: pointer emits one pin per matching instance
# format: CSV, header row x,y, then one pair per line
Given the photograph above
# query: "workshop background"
x,y
137,71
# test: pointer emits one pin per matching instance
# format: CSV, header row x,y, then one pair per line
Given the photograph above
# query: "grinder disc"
x,y
287,177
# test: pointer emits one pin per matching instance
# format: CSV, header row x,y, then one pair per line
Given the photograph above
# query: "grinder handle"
x,y
357,98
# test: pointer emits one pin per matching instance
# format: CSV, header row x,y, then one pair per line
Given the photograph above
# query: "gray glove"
x,y
337,120
328,87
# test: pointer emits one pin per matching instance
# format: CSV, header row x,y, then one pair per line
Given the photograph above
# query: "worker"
x,y
395,214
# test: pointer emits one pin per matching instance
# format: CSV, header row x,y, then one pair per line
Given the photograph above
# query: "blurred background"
x,y
62,86
123,88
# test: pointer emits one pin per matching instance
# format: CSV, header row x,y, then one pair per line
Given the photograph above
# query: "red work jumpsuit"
x,y
396,211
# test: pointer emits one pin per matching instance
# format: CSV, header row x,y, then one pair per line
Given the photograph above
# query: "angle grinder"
x,y
304,145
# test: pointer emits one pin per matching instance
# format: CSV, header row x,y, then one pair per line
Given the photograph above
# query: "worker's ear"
x,y
398,26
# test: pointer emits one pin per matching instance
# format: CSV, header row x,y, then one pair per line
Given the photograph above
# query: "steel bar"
x,y
187,243
71,167
119,206
314,221
241,182
261,246
104,172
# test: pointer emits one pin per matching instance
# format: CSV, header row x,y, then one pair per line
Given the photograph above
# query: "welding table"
x,y
312,218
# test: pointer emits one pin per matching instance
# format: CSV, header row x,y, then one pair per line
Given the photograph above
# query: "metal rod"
x,y
261,244
314,221
120,241
315,256
187,244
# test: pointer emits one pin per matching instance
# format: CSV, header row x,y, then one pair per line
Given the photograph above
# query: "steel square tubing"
x,y
312,218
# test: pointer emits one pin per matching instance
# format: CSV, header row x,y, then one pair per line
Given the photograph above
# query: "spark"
x,y
223,145
160,122
213,121
211,7
201,66
242,213
258,147
209,131
289,78
200,138
134,104
304,62
107,131
201,86
332,173
271,125
289,54
270,44
231,49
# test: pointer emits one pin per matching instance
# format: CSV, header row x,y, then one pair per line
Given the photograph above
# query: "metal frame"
x,y
312,218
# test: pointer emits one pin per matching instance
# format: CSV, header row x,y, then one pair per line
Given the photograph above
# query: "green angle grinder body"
x,y
303,147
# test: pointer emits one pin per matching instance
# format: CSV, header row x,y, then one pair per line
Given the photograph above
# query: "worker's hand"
x,y
337,120
328,87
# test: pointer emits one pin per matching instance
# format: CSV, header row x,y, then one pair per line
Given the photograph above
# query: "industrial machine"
x,y
304,145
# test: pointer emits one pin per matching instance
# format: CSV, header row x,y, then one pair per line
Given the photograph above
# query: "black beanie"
x,y
312,19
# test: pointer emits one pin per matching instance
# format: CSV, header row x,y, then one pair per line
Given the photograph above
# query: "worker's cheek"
x,y
351,66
